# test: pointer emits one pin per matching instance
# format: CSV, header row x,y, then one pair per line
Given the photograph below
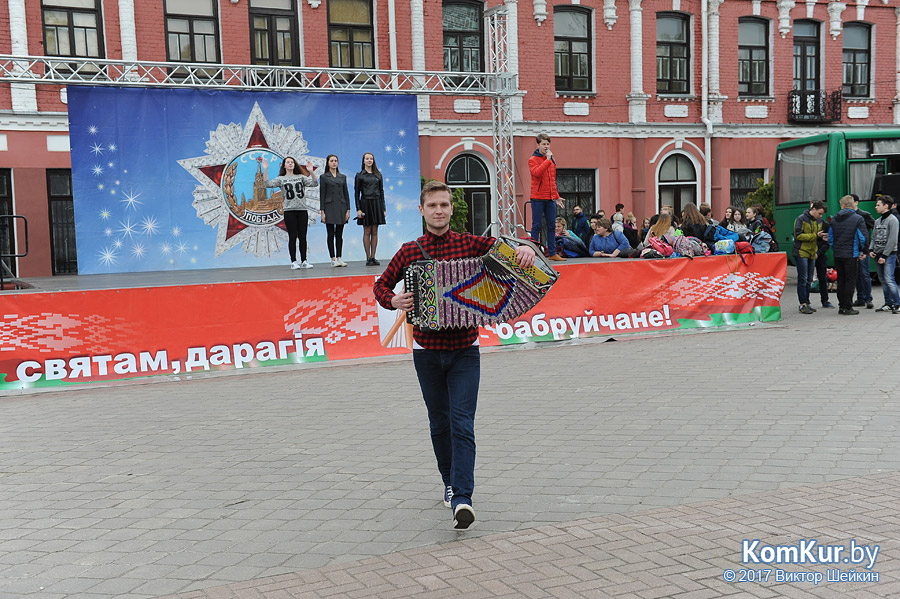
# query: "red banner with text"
x,y
52,339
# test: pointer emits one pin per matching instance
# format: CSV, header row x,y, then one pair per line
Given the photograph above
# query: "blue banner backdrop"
x,y
169,179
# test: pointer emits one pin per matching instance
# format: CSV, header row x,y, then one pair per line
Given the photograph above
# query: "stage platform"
x,y
73,330
178,278
169,278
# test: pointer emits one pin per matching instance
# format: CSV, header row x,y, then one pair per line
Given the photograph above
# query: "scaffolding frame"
x,y
499,84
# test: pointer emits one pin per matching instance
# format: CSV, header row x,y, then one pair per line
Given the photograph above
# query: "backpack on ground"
x,y
723,233
660,245
688,246
765,229
724,246
762,242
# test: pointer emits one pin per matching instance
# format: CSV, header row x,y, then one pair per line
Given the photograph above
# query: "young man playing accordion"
x,y
447,361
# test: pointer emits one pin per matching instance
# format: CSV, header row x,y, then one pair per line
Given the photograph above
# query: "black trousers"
x,y
846,281
296,221
822,275
335,239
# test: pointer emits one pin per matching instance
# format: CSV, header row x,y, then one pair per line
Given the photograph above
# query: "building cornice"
x,y
45,121
626,130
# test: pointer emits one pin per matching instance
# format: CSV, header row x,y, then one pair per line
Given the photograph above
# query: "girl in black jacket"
x,y
370,209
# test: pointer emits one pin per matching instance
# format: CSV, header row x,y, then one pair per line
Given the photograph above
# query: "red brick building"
x,y
648,102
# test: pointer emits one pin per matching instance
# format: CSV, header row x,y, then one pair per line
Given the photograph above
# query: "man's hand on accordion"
x,y
524,256
404,301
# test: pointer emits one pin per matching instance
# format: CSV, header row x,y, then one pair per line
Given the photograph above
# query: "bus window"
x,y
863,176
857,148
801,174
885,147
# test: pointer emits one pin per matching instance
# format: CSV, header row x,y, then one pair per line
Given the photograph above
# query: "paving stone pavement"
x,y
632,469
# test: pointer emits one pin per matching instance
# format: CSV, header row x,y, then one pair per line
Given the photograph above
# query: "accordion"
x,y
480,291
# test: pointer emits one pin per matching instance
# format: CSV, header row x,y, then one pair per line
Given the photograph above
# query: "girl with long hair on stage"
x,y
334,202
370,209
293,179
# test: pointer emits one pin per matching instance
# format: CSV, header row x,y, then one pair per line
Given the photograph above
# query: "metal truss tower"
x,y
505,82
499,84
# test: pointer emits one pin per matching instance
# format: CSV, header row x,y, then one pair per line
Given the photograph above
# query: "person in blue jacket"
x,y
607,243
848,236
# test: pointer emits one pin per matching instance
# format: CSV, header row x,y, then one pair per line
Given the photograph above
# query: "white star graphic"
x,y
101,186
181,248
165,249
118,243
131,199
401,168
127,228
400,149
107,231
112,192
93,129
96,149
402,132
110,164
176,231
150,225
387,148
107,256
97,170
112,147
138,251
105,214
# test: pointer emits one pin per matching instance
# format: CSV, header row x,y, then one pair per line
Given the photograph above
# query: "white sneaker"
x,y
334,262
463,516
295,265
305,264
341,262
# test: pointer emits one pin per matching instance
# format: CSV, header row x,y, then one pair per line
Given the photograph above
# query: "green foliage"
x,y
460,208
764,196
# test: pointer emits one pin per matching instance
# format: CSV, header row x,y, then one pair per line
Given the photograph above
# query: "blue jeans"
x,y
888,282
805,269
449,382
540,210
863,281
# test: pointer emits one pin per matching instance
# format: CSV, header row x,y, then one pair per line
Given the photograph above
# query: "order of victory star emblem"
x,y
232,195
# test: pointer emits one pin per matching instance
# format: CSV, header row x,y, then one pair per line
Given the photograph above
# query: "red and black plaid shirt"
x,y
449,246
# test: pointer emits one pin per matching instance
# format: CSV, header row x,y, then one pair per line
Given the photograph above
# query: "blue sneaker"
x,y
448,496
463,516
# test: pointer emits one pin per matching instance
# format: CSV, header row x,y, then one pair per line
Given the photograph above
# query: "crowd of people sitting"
x,y
692,233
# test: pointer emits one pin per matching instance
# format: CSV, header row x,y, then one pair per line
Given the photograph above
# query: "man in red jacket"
x,y
544,196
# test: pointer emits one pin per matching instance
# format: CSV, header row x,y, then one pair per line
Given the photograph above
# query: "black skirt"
x,y
373,215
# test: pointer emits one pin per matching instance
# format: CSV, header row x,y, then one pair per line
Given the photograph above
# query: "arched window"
x,y
677,182
468,172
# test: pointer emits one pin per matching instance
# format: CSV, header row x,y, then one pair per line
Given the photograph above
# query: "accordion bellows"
x,y
480,291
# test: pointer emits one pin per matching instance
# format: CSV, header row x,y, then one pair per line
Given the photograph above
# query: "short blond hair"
x,y
432,187
847,202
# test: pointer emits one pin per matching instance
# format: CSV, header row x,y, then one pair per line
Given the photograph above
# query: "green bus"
x,y
829,166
